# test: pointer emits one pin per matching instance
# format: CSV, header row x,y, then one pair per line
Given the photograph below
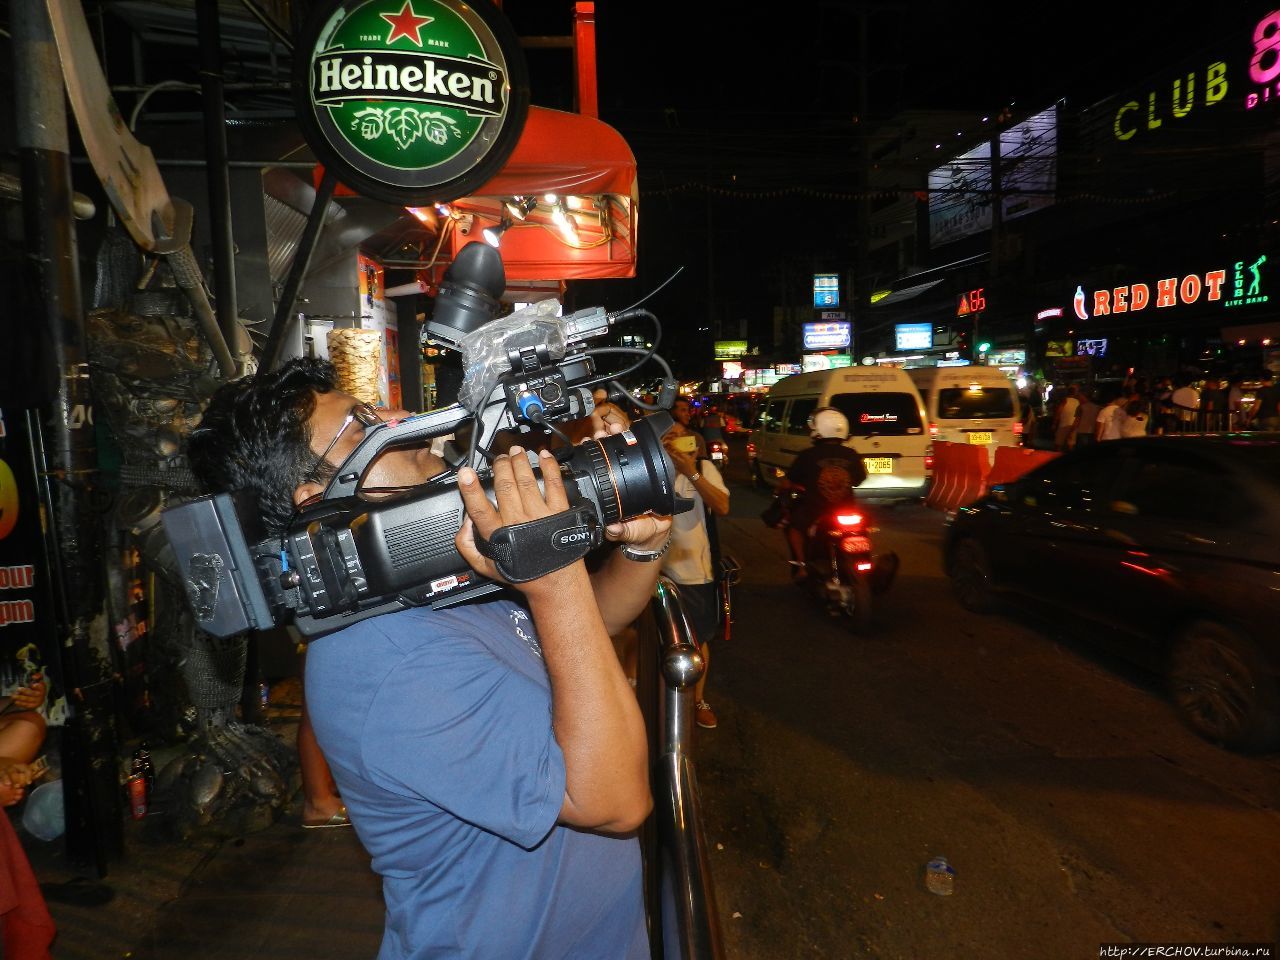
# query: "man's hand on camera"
x,y
519,501
606,418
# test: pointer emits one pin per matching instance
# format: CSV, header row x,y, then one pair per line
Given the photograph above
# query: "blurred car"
x,y
1170,544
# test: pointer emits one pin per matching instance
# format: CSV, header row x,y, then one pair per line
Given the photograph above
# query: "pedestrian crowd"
x,y
1065,416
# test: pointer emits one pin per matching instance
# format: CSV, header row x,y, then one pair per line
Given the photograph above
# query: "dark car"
x,y
1171,544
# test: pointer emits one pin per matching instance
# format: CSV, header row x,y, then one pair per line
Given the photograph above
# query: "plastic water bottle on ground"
x,y
940,877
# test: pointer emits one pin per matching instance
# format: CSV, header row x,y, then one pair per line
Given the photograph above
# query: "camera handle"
x,y
526,551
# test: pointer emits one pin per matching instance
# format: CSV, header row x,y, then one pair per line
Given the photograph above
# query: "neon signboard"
x,y
1091,348
1264,64
1246,283
830,335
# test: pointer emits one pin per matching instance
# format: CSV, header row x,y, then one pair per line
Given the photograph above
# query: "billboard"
x,y
913,336
960,193
1029,165
960,196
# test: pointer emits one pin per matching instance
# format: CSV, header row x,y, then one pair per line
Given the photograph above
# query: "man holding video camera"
x,y
491,755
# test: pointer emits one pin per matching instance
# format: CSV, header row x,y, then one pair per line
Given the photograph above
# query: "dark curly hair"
x,y
256,436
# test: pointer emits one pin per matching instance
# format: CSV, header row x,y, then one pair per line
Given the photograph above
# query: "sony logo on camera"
x,y
566,538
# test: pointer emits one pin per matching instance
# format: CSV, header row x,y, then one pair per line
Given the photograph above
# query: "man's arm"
x,y
594,713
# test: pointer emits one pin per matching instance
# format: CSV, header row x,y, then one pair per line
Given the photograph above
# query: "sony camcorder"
x,y
353,555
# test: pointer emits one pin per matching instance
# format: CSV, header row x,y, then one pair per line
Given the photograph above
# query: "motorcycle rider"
x,y
825,476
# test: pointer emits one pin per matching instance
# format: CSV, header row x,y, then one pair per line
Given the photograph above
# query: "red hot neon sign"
x,y
1167,293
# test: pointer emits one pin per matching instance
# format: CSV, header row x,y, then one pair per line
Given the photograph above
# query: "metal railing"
x,y
683,921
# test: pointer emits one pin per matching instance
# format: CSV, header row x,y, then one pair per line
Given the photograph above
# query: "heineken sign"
x,y
411,101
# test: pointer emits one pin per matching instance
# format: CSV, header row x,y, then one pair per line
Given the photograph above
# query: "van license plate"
x,y
878,464
980,438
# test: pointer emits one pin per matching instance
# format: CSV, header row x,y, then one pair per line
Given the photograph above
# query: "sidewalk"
x,y
282,892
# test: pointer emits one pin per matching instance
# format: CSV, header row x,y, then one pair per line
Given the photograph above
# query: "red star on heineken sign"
x,y
406,24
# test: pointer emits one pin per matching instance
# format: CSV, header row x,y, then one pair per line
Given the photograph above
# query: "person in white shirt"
x,y
1110,419
688,561
1133,423
1186,406
1065,423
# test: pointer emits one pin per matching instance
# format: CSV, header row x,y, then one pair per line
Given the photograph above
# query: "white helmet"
x,y
828,423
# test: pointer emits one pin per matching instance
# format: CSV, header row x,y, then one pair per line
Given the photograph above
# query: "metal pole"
x,y
219,182
298,271
92,796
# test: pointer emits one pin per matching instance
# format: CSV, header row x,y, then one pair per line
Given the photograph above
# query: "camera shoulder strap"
x,y
526,551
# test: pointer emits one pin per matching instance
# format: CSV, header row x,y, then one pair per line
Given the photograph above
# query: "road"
x,y
1074,807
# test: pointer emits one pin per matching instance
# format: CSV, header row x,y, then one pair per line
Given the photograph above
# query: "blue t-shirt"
x,y
437,727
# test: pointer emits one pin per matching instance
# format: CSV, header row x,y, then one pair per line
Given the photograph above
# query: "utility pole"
x,y
860,295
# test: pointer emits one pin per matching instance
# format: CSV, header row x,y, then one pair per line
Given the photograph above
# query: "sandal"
x,y
339,819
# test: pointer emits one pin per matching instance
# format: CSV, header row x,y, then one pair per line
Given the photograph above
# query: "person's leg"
x,y
795,543
21,735
320,798
701,603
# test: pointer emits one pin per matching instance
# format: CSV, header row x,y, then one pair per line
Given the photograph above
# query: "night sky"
x,y
744,122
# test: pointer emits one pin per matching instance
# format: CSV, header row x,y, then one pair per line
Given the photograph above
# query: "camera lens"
x,y
628,473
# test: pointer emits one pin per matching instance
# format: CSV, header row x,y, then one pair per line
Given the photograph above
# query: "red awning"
x,y
565,153
587,165
590,167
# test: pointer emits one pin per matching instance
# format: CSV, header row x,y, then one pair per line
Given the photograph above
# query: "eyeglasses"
x,y
362,412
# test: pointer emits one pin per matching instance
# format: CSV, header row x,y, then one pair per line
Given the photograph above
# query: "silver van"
x,y
975,405
886,425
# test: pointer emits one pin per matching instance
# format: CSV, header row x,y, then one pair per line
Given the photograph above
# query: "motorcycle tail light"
x,y
849,519
1017,429
751,449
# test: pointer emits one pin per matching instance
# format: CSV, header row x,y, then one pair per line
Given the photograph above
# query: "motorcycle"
x,y
719,452
844,569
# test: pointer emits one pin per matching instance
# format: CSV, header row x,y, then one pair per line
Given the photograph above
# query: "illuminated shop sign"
x,y
731,370
1200,88
1091,348
1006,358
1264,63
1057,348
410,101
831,335
1243,284
826,289
1049,314
1246,283
972,301
786,369
1173,102
730,349
913,336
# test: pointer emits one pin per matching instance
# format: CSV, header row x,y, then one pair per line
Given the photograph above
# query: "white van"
x,y
886,426
973,404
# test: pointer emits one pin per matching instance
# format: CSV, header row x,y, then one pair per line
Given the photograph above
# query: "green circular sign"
x,y
411,101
